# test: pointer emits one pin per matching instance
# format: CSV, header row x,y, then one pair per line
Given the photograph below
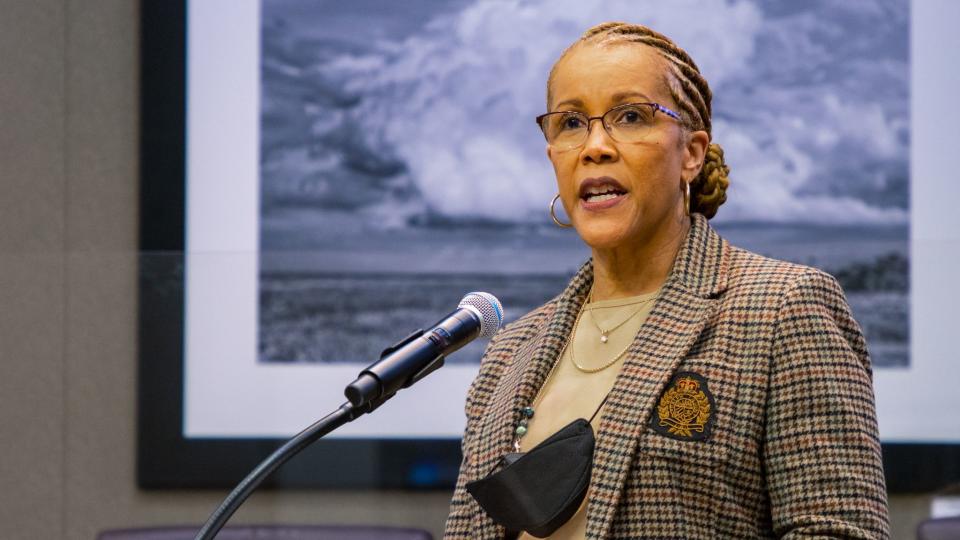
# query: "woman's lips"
x,y
602,203
601,193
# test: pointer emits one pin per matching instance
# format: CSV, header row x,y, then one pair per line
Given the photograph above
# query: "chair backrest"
x,y
939,529
272,532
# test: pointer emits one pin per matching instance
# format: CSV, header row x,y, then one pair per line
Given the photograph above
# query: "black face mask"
x,y
540,490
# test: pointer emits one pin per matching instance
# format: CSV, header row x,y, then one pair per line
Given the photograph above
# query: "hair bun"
x,y
709,190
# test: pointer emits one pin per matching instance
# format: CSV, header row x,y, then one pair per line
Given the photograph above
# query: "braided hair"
x,y
689,90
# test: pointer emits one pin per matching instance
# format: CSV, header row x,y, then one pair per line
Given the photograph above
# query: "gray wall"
x,y
68,198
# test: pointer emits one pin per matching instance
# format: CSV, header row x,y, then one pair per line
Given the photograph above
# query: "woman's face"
x,y
618,193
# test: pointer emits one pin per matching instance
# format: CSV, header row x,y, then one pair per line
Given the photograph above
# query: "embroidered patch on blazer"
x,y
686,409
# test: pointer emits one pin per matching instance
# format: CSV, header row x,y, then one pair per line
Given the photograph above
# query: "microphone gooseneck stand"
x,y
360,403
400,366
346,413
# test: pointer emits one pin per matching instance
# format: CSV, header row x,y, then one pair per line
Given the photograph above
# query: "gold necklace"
x,y
604,334
619,355
604,366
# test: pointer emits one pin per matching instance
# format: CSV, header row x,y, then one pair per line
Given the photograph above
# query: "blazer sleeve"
x,y
822,450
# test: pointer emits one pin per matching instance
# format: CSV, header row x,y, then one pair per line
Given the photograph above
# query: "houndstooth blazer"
x,y
791,447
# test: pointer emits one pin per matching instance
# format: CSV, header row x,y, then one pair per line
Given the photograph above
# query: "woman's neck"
x,y
637,268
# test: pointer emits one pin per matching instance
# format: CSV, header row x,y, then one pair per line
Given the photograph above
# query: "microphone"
x,y
479,314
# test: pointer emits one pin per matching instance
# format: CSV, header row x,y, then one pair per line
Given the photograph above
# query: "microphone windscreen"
x,y
491,311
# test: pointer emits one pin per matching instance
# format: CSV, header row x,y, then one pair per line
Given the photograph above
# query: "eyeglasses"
x,y
627,123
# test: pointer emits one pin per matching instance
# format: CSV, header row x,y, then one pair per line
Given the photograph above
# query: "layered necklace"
x,y
604,336
605,332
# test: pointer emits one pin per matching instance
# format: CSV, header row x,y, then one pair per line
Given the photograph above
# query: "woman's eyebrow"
x,y
622,96
570,102
616,98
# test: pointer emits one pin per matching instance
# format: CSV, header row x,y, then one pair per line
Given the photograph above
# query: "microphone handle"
x,y
414,357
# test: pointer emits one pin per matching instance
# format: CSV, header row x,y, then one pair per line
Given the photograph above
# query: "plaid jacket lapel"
x,y
686,304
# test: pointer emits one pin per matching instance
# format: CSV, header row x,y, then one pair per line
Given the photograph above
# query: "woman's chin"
x,y
602,236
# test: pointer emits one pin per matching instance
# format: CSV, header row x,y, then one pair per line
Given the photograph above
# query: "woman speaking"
x,y
679,386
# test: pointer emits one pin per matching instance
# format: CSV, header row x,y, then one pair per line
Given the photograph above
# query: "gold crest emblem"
x,y
685,408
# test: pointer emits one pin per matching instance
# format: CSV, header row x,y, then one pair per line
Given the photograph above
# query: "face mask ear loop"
x,y
600,407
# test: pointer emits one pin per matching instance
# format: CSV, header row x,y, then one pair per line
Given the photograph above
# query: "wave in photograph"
x,y
399,155
424,114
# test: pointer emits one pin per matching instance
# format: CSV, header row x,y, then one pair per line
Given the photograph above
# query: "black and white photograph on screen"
x,y
400,166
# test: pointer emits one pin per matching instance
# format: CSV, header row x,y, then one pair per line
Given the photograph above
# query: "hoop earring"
x,y
686,199
553,214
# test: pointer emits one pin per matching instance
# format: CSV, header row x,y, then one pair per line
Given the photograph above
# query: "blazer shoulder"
x,y
751,270
526,326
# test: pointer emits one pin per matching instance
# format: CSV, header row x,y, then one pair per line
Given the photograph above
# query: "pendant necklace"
x,y
605,333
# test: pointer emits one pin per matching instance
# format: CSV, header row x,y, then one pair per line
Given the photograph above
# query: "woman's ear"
x,y
694,152
549,153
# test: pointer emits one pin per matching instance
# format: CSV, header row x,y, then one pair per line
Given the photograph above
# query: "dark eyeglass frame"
x,y
654,106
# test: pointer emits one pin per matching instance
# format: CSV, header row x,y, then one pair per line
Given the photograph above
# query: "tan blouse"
x,y
570,393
